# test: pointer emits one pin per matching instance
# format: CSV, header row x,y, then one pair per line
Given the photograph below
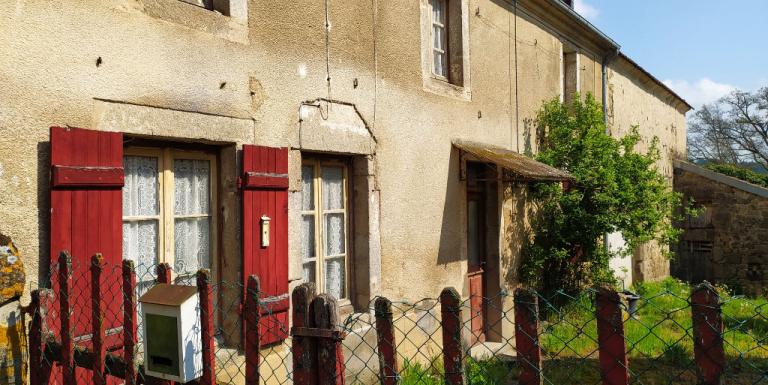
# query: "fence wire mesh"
x,y
657,331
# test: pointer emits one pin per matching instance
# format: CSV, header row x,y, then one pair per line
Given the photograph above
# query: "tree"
x,y
614,188
732,130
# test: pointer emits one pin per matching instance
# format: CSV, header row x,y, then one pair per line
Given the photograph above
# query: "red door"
x,y
476,253
265,205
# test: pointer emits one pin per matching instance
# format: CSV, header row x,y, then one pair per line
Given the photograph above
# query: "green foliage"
x,y
742,173
614,188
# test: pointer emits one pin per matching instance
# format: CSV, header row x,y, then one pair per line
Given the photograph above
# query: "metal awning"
x,y
522,166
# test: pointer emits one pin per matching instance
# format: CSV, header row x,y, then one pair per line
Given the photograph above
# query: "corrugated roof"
x,y
521,165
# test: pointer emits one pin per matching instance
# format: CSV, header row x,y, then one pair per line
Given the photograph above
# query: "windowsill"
x,y
441,86
233,28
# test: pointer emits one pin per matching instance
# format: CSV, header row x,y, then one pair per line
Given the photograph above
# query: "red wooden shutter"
x,y
265,193
86,216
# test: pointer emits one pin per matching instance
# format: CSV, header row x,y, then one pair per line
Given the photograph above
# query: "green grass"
x,y
659,341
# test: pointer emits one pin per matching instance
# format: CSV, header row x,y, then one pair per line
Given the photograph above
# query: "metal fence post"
x,y
385,338
129,321
708,334
97,320
527,336
324,311
206,326
450,304
65,310
304,350
252,338
614,365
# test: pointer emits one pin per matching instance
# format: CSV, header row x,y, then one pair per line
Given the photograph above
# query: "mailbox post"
x,y
172,342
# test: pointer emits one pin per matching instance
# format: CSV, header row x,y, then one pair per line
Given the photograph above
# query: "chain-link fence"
x,y
663,333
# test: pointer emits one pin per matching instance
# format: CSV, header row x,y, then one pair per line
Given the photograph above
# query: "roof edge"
x,y
722,178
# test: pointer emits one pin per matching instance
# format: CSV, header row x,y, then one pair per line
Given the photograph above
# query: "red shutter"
x,y
86,215
265,193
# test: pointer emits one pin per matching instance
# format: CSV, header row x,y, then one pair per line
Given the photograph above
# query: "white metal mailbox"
x,y
172,343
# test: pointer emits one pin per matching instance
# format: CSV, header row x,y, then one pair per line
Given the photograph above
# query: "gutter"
x,y
584,22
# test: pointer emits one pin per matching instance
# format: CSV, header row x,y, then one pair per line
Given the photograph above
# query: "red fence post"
x,y
708,334
164,273
324,311
97,320
527,337
614,365
303,349
39,366
129,321
450,304
385,338
65,310
252,316
206,326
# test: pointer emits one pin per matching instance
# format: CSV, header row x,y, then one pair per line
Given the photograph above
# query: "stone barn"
x,y
727,242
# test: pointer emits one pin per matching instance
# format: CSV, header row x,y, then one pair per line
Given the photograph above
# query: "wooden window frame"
x,y
435,50
319,259
166,217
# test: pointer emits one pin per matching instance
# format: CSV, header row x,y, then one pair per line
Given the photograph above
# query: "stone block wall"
x,y
728,242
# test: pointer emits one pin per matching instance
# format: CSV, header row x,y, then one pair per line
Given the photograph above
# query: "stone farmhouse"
x,y
380,144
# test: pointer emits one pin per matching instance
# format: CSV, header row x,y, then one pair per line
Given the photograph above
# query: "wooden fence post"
x,y
65,310
324,311
527,336
164,273
97,320
206,326
385,339
450,304
252,338
708,334
129,321
614,365
35,339
304,349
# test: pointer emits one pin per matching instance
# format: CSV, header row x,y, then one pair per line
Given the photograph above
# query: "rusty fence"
x,y
664,333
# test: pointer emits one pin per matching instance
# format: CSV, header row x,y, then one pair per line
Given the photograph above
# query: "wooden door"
x,y
476,262
265,198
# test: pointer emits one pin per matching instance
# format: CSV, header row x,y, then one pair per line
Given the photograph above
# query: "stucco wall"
x,y
636,100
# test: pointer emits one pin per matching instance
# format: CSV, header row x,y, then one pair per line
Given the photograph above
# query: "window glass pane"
x,y
438,11
140,242
437,33
439,63
334,234
334,277
308,271
307,188
333,188
192,246
140,192
192,181
308,236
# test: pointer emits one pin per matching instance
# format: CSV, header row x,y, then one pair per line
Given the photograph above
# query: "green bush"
x,y
744,174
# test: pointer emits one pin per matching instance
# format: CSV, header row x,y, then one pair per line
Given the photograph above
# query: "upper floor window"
x,y
569,74
234,8
439,38
445,43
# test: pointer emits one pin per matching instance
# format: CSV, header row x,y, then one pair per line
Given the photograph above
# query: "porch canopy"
x,y
523,167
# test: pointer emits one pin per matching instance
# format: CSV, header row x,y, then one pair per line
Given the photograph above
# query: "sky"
x,y
702,49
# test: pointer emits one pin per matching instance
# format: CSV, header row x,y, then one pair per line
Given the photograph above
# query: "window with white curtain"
x,y
168,213
324,229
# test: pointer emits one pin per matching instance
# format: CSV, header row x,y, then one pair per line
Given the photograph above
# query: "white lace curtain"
x,y
141,214
192,215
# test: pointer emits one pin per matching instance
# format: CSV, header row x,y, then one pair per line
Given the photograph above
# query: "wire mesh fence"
x,y
663,333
